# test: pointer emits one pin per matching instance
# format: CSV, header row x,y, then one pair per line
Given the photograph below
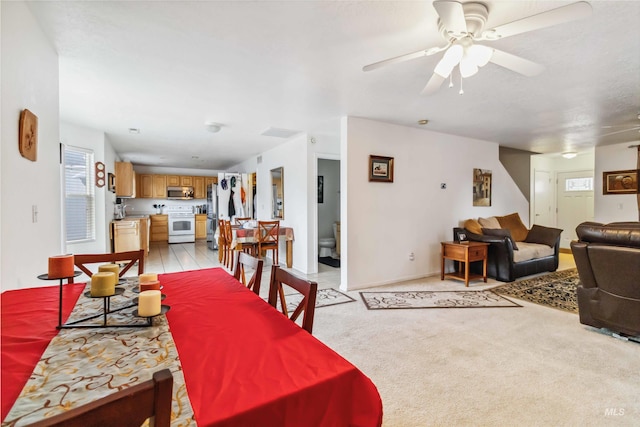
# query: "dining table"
x,y
243,234
236,360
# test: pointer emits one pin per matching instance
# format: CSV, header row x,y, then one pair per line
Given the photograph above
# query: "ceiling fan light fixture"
x,y
569,154
451,58
467,67
481,55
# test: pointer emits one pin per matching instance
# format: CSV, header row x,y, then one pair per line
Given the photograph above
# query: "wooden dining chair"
x,y
131,257
308,289
242,221
245,260
230,251
269,238
125,408
222,242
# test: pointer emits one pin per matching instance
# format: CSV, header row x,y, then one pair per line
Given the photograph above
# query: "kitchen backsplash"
x,y
145,206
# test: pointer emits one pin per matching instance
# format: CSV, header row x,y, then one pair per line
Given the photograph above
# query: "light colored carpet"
x,y
324,298
434,299
534,366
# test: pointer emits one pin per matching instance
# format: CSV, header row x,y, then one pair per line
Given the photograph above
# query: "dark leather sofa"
x,y
500,263
608,260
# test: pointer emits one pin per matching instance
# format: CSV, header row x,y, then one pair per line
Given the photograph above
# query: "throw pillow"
x,y
473,226
491,222
500,232
513,222
543,235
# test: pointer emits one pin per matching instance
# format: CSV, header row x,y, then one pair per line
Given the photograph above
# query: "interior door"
x,y
575,203
542,199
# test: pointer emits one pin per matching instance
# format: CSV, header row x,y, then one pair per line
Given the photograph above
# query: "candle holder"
x,y
46,277
163,310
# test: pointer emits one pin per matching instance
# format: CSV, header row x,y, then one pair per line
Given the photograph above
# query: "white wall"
x,y
94,140
383,222
615,207
29,80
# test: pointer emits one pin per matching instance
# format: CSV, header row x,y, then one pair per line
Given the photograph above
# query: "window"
x,y
578,184
79,194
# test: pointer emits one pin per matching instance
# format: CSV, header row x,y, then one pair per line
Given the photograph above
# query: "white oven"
x,y
182,224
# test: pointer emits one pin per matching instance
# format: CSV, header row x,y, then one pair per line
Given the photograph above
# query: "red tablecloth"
x,y
29,318
245,364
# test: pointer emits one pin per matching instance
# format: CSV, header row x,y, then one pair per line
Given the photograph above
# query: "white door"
x,y
542,199
575,203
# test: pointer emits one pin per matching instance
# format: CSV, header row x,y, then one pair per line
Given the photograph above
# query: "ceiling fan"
x,y
627,128
462,25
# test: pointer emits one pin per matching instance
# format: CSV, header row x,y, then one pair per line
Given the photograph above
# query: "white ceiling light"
x,y
569,154
212,127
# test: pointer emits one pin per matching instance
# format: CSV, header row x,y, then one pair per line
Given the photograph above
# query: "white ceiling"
x,y
169,67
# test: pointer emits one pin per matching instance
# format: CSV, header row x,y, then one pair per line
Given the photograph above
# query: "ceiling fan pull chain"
x,y
451,80
461,91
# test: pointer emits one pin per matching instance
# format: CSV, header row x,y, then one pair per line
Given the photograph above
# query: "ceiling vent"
x,y
279,133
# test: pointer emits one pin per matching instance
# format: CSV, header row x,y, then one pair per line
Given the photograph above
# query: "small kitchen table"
x,y
464,252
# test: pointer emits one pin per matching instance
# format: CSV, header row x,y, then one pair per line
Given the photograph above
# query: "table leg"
x,y
60,307
442,266
289,253
484,269
466,269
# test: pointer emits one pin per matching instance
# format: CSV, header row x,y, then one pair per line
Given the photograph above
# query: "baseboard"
x,y
565,251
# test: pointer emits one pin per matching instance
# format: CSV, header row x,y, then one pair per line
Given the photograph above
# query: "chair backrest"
x,y
308,289
125,408
268,232
228,232
221,231
246,260
82,260
242,221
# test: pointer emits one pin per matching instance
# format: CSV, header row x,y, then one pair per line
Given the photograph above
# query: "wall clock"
x,y
28,135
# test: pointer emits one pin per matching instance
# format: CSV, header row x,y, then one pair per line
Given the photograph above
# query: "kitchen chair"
x,y
82,260
230,252
308,289
246,260
125,408
242,221
269,238
222,243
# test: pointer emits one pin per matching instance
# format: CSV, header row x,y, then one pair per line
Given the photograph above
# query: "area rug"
x,y
324,298
434,299
327,260
557,290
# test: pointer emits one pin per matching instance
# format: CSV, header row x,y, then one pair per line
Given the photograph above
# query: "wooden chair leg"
x,y
283,302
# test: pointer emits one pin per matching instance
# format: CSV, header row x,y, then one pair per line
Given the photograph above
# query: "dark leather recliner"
x,y
608,260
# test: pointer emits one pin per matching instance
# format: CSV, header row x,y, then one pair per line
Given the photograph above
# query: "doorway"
x,y
575,203
328,213
542,199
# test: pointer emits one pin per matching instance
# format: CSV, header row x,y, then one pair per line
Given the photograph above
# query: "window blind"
x,y
79,194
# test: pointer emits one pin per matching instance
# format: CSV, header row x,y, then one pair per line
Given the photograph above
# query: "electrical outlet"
x,y
411,256
34,213
443,186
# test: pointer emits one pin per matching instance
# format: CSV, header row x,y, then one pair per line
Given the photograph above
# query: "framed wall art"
x,y
28,135
320,189
481,187
380,168
620,182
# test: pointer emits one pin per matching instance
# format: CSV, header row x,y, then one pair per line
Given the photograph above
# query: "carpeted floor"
x,y
324,298
434,299
557,290
327,260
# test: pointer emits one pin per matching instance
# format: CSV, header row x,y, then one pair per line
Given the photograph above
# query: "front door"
x,y
575,203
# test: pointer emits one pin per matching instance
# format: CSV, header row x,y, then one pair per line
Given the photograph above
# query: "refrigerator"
x,y
212,216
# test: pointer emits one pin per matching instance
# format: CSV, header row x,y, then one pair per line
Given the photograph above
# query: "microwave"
x,y
180,193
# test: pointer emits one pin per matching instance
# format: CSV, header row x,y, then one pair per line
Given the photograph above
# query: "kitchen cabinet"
x,y
125,179
144,235
159,186
159,228
201,226
208,180
145,186
173,181
186,181
199,190
126,235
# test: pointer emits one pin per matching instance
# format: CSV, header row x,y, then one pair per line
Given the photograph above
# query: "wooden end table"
x,y
464,252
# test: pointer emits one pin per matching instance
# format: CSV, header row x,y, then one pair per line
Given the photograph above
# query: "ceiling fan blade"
x,y
571,12
516,63
621,131
433,84
452,16
395,60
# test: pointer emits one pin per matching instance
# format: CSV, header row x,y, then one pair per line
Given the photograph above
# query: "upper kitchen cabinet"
x,y
199,190
186,181
125,179
159,186
145,186
173,181
208,180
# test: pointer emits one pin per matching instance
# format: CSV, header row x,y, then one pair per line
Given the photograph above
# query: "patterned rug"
x,y
434,299
557,290
324,298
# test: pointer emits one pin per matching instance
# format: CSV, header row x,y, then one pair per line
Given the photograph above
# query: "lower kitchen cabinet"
x,y
159,228
201,226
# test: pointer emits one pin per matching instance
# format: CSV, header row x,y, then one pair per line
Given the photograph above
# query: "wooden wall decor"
x,y
28,135
101,174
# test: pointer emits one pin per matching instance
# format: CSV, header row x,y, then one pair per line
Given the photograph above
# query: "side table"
x,y
464,252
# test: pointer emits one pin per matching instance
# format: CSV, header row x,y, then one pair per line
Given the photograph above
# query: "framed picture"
x,y
320,189
111,182
461,236
481,187
28,135
620,182
380,168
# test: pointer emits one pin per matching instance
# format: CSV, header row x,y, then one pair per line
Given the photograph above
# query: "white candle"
x,y
148,277
103,284
149,303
